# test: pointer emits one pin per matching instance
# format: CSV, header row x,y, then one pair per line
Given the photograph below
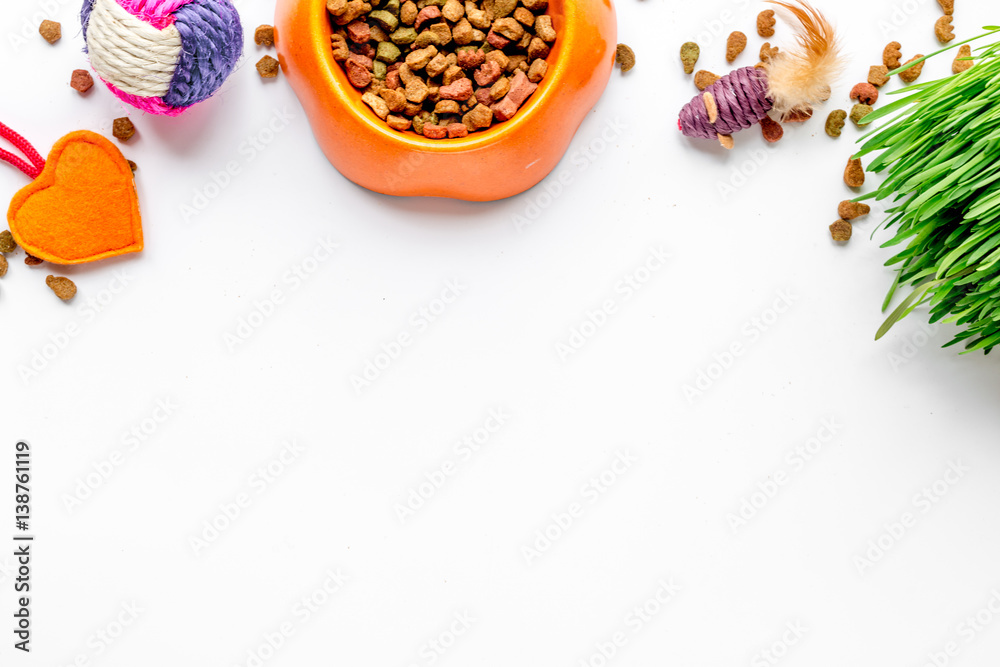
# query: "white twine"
x,y
129,53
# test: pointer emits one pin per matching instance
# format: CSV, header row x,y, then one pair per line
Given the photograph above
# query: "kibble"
x,y
854,174
703,79
81,81
3,266
625,57
849,210
878,75
772,130
765,23
62,287
7,243
912,74
264,35
943,29
835,122
735,44
963,61
445,68
841,231
859,111
947,6
767,52
133,166
690,52
891,55
865,93
123,129
31,260
267,67
51,31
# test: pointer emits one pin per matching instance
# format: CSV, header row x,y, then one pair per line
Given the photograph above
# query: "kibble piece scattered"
x,y
133,166
81,81
690,52
3,266
767,52
771,130
859,111
63,287
765,23
51,31
734,45
267,67
849,210
912,74
947,6
865,93
841,231
854,174
963,61
891,55
123,129
264,35
703,79
878,75
943,29
835,122
625,57
7,243
31,260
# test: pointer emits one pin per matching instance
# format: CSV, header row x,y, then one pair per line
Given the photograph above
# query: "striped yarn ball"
x,y
162,56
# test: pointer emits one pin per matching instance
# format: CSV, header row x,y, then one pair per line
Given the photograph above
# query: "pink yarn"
x,y
154,105
157,13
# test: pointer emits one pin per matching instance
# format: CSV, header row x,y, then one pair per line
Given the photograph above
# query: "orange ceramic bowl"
x,y
500,162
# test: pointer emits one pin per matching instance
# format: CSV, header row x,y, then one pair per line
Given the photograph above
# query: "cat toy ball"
x,y
791,82
162,56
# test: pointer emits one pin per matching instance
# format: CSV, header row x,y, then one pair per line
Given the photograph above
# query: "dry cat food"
x,y
3,266
854,174
7,243
734,45
878,75
31,260
51,31
943,29
690,52
81,81
865,93
444,68
765,23
63,287
625,57
264,35
267,67
767,52
859,111
892,54
963,61
849,210
123,129
703,79
835,122
841,231
912,74
771,129
947,6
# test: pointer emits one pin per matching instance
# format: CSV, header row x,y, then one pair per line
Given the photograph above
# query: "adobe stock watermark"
x,y
258,482
301,612
635,620
92,305
777,650
899,15
590,492
911,345
435,647
741,174
721,25
750,333
102,639
131,441
418,323
794,462
556,184
897,528
622,291
462,452
967,631
249,149
28,27
264,308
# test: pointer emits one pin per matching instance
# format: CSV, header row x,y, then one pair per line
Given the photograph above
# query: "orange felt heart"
x,y
82,207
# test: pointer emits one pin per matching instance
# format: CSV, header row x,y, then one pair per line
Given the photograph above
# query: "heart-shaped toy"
x,y
82,207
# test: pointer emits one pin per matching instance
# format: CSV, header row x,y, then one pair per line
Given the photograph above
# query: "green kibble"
x,y
404,36
859,111
835,122
384,19
690,52
392,6
387,52
379,70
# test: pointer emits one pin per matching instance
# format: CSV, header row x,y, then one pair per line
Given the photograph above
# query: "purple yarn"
x,y
741,97
213,41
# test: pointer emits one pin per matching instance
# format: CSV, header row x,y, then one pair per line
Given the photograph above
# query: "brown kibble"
x,y
267,67
878,75
51,31
767,52
891,55
690,52
865,93
912,74
947,6
858,112
133,166
835,122
703,79
31,260
771,130
854,174
123,129
264,35
963,61
734,45
841,231
81,81
3,266
625,57
63,287
765,23
943,29
849,210
7,243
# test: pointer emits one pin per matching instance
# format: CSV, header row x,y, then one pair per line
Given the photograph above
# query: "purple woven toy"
x,y
791,82
162,56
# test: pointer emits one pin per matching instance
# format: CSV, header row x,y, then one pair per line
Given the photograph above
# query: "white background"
x,y
903,409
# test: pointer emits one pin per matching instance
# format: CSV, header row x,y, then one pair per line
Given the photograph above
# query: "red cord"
x,y
37,161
